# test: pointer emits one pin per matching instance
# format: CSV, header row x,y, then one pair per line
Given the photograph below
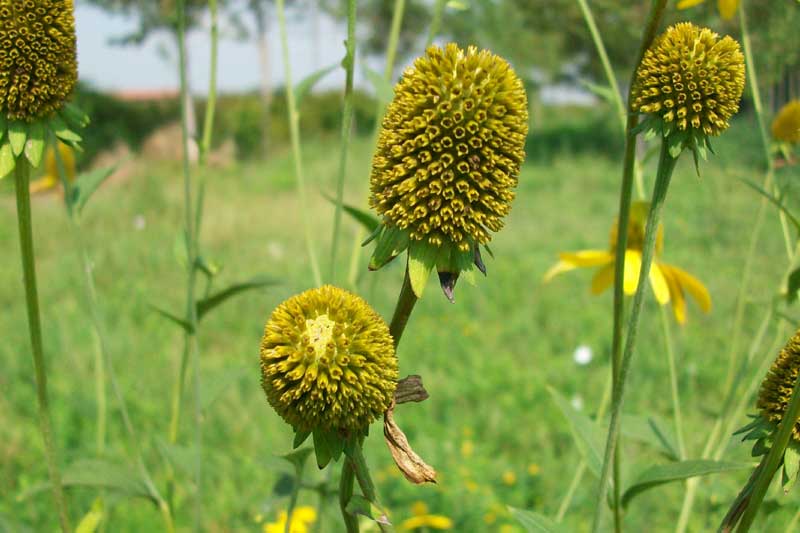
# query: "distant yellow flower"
x,y
534,469
507,528
467,448
669,283
471,485
786,126
509,478
302,518
727,8
50,179
421,519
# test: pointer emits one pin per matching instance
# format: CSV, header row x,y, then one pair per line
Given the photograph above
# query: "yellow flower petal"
x,y
633,263
727,8
603,279
676,294
419,508
431,521
694,287
557,269
659,284
306,514
686,4
587,258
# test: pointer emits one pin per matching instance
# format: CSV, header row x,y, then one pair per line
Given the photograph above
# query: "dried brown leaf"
x,y
410,464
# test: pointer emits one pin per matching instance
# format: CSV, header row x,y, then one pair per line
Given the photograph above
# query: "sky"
x,y
152,66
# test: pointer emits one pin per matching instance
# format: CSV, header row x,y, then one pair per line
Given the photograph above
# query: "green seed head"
x,y
37,57
776,389
690,78
451,147
328,361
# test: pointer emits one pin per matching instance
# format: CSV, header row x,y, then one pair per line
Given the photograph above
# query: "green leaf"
x,y
298,458
299,438
207,304
603,91
7,160
383,88
457,5
421,262
17,133
661,474
302,89
534,522
365,218
327,446
390,244
587,435
791,465
651,431
374,235
184,325
284,486
34,145
793,286
63,131
91,520
85,186
360,505
182,458
74,116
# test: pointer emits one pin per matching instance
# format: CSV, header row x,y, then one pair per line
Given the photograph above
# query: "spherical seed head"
x,y
786,126
328,361
690,78
37,57
451,146
776,389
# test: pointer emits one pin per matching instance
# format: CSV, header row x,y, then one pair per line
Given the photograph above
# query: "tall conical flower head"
x,y
448,157
328,361
786,126
691,79
38,57
776,389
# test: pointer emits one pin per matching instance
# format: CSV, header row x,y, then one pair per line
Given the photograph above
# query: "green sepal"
x,y
7,159
649,126
422,258
34,145
391,243
760,448
374,234
74,116
676,142
791,466
300,436
63,131
17,133
328,446
759,428
3,126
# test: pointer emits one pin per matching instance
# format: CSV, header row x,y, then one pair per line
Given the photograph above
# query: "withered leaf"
x,y
410,464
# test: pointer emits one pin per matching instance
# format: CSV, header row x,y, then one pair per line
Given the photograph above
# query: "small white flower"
x,y
582,355
577,402
139,222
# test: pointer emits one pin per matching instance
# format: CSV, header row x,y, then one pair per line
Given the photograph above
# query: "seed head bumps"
x,y
38,57
451,147
691,79
776,389
786,126
328,361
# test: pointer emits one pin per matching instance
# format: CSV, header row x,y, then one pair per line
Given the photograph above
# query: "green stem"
x,y
365,481
347,126
25,223
345,493
208,121
436,22
666,165
294,133
673,382
298,474
402,311
773,459
391,54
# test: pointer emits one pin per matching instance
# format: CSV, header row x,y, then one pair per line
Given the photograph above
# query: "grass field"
x,y
490,427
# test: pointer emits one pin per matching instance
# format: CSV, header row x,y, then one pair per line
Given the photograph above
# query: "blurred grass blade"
x,y
661,474
179,457
365,218
306,85
587,435
534,522
603,91
650,430
207,304
776,201
85,186
360,505
184,325
91,520
384,91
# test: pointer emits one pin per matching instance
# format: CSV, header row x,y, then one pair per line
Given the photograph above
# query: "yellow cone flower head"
x,y
38,57
670,284
776,389
448,157
328,361
786,126
50,179
691,79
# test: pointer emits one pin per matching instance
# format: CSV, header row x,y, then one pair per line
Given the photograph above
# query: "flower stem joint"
x,y
447,163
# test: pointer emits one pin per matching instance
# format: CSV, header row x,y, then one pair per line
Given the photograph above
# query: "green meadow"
x,y
491,427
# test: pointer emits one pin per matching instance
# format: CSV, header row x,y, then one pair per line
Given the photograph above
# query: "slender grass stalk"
x,y
773,459
793,524
211,102
666,165
391,54
298,476
669,345
25,224
347,126
345,493
436,21
294,133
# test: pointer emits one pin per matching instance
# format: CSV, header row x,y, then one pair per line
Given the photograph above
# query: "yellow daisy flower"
x,y
786,125
669,283
421,519
302,519
727,8
50,178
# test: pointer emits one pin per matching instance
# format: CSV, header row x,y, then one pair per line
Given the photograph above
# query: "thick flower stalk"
x,y
670,284
328,362
447,162
690,83
786,125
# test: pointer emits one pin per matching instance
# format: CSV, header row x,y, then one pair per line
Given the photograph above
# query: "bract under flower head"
x,y
449,155
786,126
328,361
776,389
37,56
691,80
